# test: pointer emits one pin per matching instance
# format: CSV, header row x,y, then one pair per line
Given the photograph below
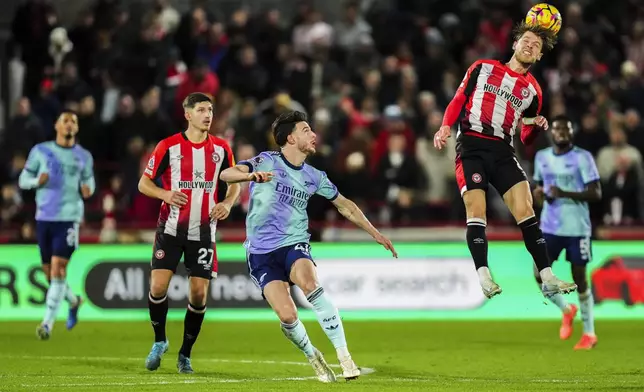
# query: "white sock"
x,y
296,333
70,297
586,304
560,301
55,295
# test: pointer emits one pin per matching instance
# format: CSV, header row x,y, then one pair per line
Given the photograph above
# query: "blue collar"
x,y
289,164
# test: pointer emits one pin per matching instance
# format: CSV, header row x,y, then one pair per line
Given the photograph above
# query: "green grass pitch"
x,y
255,356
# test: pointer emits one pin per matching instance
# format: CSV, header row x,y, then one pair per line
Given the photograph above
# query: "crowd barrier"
x,y
428,281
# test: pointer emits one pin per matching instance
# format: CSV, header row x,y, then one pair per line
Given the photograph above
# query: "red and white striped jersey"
x,y
192,168
496,99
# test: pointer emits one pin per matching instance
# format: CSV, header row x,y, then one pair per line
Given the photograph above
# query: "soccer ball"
x,y
546,16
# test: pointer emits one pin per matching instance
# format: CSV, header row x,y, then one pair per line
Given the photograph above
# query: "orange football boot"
x,y
586,342
567,321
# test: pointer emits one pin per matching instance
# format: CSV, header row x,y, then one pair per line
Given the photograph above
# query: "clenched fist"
x,y
260,176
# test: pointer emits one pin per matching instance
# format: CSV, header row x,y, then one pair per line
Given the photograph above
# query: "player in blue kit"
x,y
277,243
567,179
62,173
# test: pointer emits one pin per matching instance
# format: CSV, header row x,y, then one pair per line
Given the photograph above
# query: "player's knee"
x,y
287,314
158,289
475,204
308,286
198,295
58,267
522,210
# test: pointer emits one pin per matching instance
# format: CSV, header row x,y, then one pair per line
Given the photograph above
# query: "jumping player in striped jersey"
x,y
277,238
567,179
187,165
493,99
62,173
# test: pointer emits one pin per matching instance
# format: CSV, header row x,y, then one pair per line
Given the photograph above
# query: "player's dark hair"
x,y
548,37
195,98
561,117
285,124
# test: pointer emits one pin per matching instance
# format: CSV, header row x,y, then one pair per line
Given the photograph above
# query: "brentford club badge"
x,y
215,157
476,178
159,254
525,93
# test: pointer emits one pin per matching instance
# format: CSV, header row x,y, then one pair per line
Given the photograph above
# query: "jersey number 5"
x,y
205,256
72,237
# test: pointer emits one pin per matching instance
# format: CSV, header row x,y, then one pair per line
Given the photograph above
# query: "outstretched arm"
x,y
241,173
350,210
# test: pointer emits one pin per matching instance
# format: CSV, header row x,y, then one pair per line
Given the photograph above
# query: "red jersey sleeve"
x,y
158,162
453,110
529,131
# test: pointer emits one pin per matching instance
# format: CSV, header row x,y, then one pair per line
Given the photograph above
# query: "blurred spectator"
x,y
607,158
394,123
437,165
69,86
311,32
622,193
47,107
11,203
214,48
200,78
124,127
26,235
634,129
150,122
247,78
352,31
589,136
90,128
24,130
397,178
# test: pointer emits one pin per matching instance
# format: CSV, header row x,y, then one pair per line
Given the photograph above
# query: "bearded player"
x,y
188,166
62,173
492,100
277,238
567,179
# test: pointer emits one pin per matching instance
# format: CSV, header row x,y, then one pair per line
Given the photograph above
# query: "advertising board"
x,y
428,281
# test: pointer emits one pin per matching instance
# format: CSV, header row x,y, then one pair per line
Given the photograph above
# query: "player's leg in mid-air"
x,y
57,242
511,182
556,244
166,255
303,275
579,254
269,274
472,181
201,263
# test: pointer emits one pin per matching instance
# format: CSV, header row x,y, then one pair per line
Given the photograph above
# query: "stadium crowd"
x,y
374,84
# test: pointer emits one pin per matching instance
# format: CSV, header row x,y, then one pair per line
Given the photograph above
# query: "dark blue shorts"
x,y
56,239
276,265
578,249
